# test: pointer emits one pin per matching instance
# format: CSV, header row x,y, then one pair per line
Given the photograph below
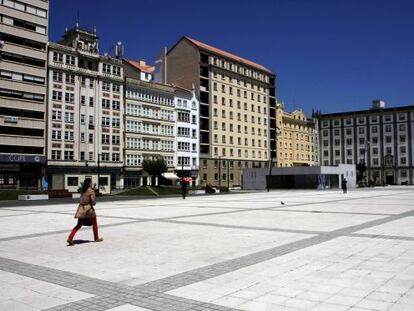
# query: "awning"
x,y
170,176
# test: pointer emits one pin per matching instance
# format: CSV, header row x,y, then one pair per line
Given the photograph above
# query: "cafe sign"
x,y
20,158
10,119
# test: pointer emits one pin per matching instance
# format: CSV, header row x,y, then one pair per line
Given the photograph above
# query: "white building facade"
x,y
382,138
149,129
187,138
85,108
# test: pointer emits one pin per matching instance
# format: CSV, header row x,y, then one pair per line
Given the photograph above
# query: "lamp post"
x,y
219,171
270,172
99,170
367,143
228,174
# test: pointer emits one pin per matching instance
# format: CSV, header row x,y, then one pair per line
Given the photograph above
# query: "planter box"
x,y
202,191
197,192
33,197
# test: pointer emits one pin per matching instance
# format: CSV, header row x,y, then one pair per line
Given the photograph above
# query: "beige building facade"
x,y
297,138
85,102
23,55
237,108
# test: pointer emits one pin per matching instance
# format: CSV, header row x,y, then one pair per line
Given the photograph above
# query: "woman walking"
x,y
86,212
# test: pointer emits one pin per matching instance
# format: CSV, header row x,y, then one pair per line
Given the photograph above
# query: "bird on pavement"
x,y
282,203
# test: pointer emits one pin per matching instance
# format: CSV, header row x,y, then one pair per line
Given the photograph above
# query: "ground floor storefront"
x,y
22,172
391,176
71,178
138,178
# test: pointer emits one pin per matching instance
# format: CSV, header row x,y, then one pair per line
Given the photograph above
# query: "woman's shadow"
x,y
76,242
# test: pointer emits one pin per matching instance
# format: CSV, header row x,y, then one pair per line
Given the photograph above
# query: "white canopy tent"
x,y
170,176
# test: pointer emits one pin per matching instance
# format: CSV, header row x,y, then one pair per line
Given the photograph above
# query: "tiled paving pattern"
x,y
320,251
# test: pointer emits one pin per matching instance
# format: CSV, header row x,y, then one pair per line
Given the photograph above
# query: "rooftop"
x,y
366,111
228,55
141,65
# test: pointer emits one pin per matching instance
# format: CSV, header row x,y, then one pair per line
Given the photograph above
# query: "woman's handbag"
x,y
85,211
87,222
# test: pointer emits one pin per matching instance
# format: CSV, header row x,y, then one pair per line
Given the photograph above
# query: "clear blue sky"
x,y
333,55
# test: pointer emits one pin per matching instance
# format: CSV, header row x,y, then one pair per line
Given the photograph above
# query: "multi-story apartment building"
x,y
237,108
85,103
187,129
163,106
380,137
297,138
23,42
149,128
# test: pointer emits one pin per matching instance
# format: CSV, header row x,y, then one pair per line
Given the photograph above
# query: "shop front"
x,y
19,171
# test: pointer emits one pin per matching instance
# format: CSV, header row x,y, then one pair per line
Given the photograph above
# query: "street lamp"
x,y
99,170
366,148
219,171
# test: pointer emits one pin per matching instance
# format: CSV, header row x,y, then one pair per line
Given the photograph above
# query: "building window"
x,y
106,68
57,57
68,155
73,181
56,155
57,96
57,76
69,98
70,60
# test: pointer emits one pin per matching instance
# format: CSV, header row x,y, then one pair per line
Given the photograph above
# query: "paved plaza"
x,y
321,250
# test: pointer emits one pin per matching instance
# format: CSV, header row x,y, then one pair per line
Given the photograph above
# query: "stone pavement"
x,y
322,250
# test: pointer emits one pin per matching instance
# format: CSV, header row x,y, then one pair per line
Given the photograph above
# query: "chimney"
x,y
119,50
378,104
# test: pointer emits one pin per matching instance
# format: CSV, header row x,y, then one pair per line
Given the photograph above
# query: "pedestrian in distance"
x,y
344,185
183,187
86,212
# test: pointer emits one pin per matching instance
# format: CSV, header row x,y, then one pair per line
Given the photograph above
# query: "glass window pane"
x,y
19,6
30,9
41,13
41,29
8,20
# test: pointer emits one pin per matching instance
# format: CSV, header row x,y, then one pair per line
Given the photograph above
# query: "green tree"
x,y
154,167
